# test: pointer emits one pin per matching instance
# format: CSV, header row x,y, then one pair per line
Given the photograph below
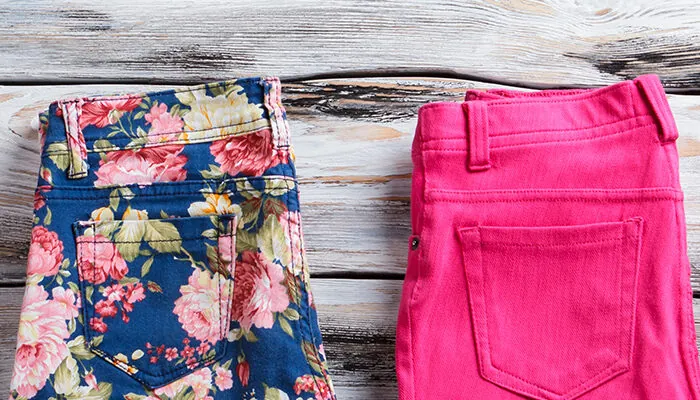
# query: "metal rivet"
x,y
414,243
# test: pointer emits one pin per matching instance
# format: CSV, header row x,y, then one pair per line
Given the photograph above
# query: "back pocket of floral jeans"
x,y
553,308
157,293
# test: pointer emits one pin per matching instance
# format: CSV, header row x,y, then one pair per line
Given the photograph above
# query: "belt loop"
x,y
476,115
651,86
277,114
72,110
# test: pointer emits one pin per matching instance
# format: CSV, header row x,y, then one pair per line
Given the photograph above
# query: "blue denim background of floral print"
x,y
176,267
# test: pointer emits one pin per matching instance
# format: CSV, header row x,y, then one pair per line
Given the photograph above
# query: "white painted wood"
x,y
550,41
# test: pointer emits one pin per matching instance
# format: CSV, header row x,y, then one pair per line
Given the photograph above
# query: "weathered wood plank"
x,y
352,140
551,41
357,318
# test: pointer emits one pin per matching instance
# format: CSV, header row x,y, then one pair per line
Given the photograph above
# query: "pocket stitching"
x,y
571,244
171,373
492,365
488,341
226,322
590,382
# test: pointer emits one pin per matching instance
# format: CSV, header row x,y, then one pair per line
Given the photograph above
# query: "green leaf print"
x,y
214,172
245,241
284,324
146,267
58,153
66,378
163,237
103,145
272,241
103,392
79,350
275,394
277,187
47,218
291,314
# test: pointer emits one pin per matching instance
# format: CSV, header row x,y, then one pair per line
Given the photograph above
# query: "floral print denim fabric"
x,y
167,258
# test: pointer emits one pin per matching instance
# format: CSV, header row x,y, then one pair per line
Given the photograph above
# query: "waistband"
x,y
487,118
204,113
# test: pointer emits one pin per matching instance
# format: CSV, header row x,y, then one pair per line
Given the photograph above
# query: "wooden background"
x,y
355,73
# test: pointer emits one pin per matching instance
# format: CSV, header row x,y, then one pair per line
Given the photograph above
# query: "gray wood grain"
x,y
352,139
552,41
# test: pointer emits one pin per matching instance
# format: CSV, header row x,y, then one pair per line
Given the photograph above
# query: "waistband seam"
x,y
166,92
665,189
159,144
172,142
179,187
585,195
516,133
95,139
620,132
562,98
533,142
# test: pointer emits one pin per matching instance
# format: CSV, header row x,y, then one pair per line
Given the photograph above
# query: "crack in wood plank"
x,y
555,42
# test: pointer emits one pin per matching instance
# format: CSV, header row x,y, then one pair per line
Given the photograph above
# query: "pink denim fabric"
x,y
548,258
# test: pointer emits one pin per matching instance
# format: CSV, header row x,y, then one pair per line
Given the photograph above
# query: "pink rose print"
x,y
66,299
45,252
291,221
187,351
116,299
91,381
105,308
41,339
154,352
46,175
146,165
259,291
224,378
203,348
311,384
114,292
199,307
99,259
39,199
43,124
98,325
251,154
171,353
164,126
106,112
134,293
199,381
142,166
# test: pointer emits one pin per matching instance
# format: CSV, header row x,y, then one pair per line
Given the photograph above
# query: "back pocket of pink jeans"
x,y
553,307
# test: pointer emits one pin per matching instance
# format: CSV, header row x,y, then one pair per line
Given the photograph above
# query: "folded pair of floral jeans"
x,y
167,257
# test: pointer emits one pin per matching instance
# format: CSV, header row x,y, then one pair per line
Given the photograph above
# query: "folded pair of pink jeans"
x,y
548,258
